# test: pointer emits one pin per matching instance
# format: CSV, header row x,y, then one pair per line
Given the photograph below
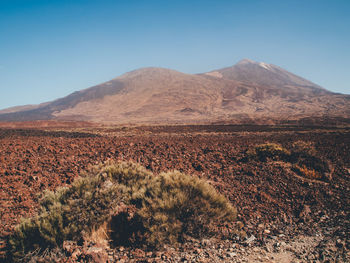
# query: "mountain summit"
x,y
264,74
248,90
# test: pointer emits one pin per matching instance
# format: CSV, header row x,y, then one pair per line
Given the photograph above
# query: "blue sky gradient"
x,y
51,48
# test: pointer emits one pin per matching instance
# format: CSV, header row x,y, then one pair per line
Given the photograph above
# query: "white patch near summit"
x,y
264,65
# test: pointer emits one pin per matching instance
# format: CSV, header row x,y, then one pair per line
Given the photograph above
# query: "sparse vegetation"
x,y
268,151
308,173
175,204
69,213
128,204
303,147
302,155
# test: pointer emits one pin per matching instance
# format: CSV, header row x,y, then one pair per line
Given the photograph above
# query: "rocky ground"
x,y
279,249
287,218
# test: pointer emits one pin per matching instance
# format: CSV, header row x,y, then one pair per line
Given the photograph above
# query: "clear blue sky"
x,y
51,48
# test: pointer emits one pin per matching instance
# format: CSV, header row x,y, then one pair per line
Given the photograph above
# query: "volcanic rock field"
x,y
278,207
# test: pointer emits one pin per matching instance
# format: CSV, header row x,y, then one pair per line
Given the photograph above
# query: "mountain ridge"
x,y
248,90
251,71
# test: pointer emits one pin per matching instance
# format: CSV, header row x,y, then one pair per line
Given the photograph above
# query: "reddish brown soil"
x,y
264,192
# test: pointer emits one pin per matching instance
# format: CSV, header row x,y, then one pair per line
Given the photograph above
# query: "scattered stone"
x,y
250,239
231,254
97,254
305,213
340,243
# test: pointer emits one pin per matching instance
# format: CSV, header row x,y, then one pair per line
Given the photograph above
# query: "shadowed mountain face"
x,y
246,91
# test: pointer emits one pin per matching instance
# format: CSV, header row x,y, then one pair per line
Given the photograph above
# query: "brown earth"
x,y
272,201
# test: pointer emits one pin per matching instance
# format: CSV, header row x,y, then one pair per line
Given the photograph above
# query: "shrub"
x,y
303,147
272,151
308,173
176,204
128,203
303,155
67,214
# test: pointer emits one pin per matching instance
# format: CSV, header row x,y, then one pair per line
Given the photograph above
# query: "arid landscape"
x,y
263,170
248,92
174,131
289,214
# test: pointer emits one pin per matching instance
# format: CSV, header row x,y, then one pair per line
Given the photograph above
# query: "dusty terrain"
x,y
287,218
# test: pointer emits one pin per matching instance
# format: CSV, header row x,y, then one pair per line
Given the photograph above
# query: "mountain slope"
x,y
247,91
154,94
262,74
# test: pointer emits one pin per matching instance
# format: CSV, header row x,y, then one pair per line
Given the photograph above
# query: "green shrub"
x,y
138,207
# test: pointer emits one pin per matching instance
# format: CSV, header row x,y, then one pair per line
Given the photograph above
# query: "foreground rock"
x,y
278,249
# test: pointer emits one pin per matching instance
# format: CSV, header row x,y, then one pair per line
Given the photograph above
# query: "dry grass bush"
x,y
308,173
69,213
303,147
98,235
308,163
175,205
269,151
127,204
303,155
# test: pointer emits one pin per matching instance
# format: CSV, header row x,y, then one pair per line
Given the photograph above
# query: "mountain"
x,y
245,92
22,108
263,74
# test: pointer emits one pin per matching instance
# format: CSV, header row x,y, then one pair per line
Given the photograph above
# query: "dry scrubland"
x,y
241,193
